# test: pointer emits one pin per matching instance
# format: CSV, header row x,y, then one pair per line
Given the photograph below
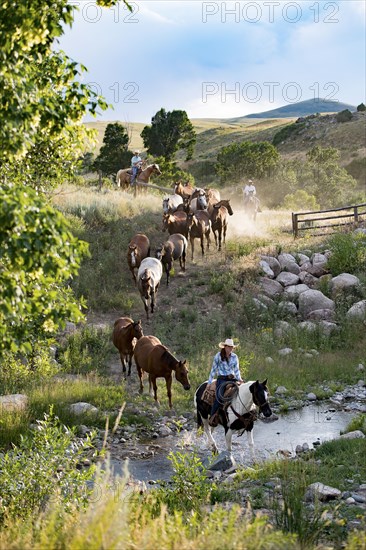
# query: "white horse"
x,y
148,280
241,413
171,203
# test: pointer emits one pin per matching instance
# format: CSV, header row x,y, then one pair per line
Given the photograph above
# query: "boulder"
x,y
357,311
270,287
273,263
311,300
292,292
321,492
266,270
83,408
287,279
13,402
344,282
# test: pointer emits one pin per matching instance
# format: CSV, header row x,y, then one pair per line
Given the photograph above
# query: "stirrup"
x,y
214,419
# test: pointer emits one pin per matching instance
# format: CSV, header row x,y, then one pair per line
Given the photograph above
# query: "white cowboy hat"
x,y
250,181
137,152
228,342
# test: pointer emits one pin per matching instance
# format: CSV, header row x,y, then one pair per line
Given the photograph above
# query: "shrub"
x,y
189,488
344,116
86,350
361,107
43,464
348,253
300,200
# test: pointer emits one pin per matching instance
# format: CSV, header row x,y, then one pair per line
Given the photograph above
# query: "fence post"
x,y
355,211
294,224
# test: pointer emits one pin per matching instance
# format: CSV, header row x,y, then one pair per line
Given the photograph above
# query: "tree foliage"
x,y
41,137
38,256
114,153
169,132
361,107
246,160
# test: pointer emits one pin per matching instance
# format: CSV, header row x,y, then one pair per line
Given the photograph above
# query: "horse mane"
x,y
171,360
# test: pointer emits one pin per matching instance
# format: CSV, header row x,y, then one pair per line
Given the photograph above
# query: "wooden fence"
x,y
324,222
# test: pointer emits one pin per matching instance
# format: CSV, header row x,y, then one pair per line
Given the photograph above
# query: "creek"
x,y
311,424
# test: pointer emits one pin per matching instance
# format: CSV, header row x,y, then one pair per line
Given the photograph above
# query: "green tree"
x,y
169,132
331,184
246,159
41,137
114,152
361,107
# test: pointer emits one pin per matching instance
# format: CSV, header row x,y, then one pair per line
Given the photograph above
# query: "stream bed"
x,y
311,424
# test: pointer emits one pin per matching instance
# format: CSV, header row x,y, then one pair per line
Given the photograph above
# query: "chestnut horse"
x,y
123,178
152,357
125,333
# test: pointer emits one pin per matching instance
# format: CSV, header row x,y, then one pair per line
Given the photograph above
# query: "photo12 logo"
x,y
253,92
269,12
126,92
92,13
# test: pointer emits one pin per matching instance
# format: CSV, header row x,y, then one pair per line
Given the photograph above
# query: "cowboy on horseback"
x,y
226,367
250,191
136,163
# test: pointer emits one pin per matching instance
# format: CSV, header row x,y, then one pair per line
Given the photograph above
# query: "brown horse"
x,y
138,250
175,248
212,196
199,226
123,178
125,333
152,357
184,190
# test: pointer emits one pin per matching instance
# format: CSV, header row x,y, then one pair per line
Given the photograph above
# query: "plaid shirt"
x,y
224,368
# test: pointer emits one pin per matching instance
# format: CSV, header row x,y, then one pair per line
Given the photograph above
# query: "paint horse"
x,y
240,415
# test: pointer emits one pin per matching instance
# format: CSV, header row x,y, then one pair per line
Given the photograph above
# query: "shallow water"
x,y
315,423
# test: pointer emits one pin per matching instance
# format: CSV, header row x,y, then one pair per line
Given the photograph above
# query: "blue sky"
x,y
219,59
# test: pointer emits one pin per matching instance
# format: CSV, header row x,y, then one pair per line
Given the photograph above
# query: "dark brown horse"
x,y
155,359
138,250
219,220
175,248
125,333
199,226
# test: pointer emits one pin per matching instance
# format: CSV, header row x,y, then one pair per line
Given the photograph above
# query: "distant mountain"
x,y
303,108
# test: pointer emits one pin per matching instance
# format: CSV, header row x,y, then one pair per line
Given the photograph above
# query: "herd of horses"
x,y
189,213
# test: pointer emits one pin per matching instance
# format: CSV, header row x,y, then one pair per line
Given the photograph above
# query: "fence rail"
x,y
347,216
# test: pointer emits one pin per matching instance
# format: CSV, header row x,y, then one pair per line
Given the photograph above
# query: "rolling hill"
x,y
303,108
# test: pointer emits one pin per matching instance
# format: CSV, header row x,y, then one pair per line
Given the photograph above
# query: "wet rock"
x,y
223,461
311,396
281,390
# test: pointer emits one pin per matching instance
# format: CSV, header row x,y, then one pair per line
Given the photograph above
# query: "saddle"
x,y
209,394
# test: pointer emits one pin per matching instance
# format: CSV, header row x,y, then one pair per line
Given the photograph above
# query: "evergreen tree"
x,y
114,153
169,132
